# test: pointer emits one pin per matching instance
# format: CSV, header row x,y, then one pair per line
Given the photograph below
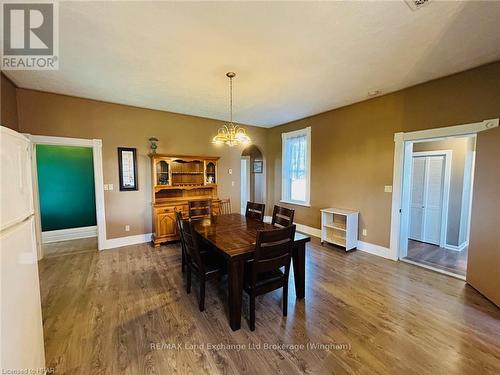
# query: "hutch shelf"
x,y
175,181
339,227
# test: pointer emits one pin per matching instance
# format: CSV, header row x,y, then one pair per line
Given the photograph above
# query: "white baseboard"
x,y
68,234
457,248
125,241
367,247
308,230
371,248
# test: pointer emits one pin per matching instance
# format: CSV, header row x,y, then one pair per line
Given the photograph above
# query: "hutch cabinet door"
x,y
165,224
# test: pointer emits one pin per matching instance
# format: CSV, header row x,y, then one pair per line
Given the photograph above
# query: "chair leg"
x,y
183,267
252,312
285,299
202,293
188,286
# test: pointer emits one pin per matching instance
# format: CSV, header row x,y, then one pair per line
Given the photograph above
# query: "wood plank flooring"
x,y
438,257
123,311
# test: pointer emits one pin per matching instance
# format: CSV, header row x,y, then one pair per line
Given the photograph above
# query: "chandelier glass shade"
x,y
230,134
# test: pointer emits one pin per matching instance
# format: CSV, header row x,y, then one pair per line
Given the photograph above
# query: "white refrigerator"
x,y
21,332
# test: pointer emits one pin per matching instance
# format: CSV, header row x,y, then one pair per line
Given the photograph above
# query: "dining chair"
x,y
225,206
273,250
204,264
200,209
255,211
282,216
178,219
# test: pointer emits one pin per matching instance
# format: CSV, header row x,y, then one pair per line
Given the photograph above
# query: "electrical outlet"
x,y
388,189
232,183
127,228
106,187
365,232
110,186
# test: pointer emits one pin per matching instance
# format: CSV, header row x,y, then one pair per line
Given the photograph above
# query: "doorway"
x,y
245,183
85,170
252,176
439,176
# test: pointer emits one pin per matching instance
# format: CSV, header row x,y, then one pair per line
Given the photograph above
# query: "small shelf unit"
x,y
339,227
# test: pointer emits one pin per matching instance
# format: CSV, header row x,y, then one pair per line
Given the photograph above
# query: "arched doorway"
x,y
253,182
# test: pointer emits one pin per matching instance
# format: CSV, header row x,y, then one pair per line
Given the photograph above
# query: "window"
x,y
296,167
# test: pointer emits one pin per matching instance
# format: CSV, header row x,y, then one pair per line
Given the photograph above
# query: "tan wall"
x,y
459,148
484,246
353,146
8,104
117,125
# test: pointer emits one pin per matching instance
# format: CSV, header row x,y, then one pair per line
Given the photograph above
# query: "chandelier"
x,y
231,134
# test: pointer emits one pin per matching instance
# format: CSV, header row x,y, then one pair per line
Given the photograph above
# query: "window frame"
x,y
284,137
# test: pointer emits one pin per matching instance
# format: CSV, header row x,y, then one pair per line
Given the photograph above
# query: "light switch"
x,y
110,186
388,189
106,187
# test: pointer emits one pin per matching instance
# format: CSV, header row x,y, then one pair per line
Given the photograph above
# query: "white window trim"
x,y
284,137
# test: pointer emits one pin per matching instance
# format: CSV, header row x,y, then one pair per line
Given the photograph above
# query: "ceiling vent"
x,y
416,4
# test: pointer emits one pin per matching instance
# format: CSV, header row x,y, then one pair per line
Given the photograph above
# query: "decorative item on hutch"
x,y
153,146
231,134
176,180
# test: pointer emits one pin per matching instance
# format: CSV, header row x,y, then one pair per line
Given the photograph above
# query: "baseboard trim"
x,y
378,250
69,234
126,241
308,230
457,248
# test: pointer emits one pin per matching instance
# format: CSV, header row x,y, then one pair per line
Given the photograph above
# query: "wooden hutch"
x,y
177,180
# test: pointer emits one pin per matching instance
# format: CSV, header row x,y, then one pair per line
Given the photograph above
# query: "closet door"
x,y
433,199
417,199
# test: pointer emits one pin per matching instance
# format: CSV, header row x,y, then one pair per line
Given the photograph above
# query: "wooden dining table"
x,y
233,236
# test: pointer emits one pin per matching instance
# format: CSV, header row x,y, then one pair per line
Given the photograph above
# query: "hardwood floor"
x,y
117,312
71,246
435,256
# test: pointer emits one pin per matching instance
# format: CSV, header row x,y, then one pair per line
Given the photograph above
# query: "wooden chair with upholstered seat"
x,y
204,264
200,209
282,216
273,250
225,206
255,211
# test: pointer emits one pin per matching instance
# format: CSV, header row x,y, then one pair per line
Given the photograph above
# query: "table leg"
x,y
235,286
299,269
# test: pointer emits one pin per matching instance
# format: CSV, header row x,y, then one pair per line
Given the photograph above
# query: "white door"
x,y
426,209
245,184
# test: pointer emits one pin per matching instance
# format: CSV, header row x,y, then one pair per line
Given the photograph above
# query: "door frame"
x,y
400,150
248,176
96,145
448,155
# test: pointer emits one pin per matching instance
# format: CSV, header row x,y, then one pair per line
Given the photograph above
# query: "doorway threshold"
x,y
460,277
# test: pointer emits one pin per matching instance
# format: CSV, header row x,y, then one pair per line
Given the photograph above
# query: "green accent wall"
x,y
65,186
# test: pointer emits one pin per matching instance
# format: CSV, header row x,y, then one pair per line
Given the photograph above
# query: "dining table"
x,y
233,236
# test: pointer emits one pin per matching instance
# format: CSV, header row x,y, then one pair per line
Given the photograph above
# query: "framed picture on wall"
x,y
257,166
127,166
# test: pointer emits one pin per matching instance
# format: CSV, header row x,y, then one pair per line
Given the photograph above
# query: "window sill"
x,y
295,203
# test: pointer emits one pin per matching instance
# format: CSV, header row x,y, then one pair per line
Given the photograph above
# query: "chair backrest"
x,y
200,208
178,220
282,216
225,206
273,250
191,241
255,211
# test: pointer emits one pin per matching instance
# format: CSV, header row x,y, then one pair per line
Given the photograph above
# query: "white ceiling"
x,y
292,59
